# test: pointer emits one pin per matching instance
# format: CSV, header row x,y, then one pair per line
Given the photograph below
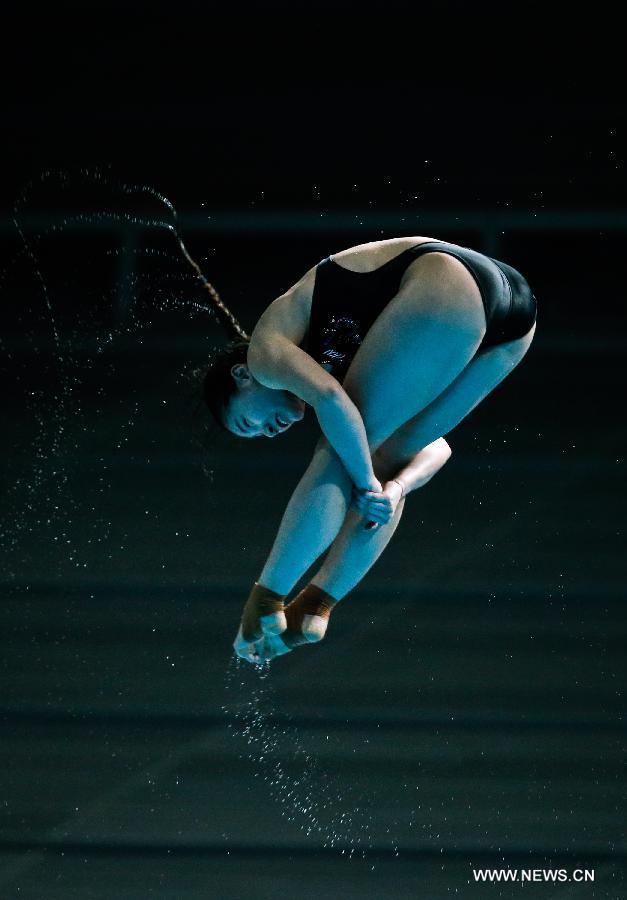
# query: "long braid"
x,y
223,313
215,382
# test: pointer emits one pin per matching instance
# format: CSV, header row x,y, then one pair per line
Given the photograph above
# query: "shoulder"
x,y
288,315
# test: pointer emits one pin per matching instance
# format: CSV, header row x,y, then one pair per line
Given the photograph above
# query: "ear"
x,y
240,373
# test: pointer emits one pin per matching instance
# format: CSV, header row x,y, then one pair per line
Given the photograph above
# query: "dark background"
x,y
467,708
461,104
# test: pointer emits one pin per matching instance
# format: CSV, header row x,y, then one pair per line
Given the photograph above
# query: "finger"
x,y
379,515
375,512
377,498
378,504
367,495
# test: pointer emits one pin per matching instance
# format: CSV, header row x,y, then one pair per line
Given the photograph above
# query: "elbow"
x,y
329,396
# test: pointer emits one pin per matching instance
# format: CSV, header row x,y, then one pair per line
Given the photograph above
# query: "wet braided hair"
x,y
218,384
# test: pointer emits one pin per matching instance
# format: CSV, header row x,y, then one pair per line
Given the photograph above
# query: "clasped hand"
x,y
377,506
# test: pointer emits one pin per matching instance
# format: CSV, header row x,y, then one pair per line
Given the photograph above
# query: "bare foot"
x,y
262,615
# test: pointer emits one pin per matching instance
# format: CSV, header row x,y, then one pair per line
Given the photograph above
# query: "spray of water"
x,y
306,793
170,223
38,495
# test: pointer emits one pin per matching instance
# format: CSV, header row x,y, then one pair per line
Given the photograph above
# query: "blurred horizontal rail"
x,y
488,226
169,849
203,720
312,221
577,344
38,590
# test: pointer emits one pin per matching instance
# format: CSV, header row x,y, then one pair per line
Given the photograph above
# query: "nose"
x,y
273,430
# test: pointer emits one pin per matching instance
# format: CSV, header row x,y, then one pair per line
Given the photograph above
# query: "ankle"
x,y
264,600
307,615
263,613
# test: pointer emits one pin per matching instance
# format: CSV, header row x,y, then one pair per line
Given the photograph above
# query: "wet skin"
x,y
255,410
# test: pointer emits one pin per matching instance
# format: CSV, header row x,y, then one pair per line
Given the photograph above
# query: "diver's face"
x,y
258,411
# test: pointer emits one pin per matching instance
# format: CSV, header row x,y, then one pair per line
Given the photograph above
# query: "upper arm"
x,y
279,363
274,357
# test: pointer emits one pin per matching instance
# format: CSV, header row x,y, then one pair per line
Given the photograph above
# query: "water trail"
x,y
45,503
55,388
306,793
213,293
113,217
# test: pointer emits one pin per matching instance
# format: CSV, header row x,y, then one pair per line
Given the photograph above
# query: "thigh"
x,y
477,380
423,339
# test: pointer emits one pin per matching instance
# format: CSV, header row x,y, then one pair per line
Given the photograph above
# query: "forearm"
x,y
343,427
423,466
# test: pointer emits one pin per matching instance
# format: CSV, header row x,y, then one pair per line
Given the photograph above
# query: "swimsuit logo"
x,y
340,337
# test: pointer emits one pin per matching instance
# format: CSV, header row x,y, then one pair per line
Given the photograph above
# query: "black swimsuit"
x,y
345,304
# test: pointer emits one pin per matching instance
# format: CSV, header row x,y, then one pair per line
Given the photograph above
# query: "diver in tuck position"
x,y
392,343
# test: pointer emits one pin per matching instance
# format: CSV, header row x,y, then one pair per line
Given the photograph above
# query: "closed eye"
x,y
247,428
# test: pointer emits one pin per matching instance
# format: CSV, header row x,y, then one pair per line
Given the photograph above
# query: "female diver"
x,y
392,343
